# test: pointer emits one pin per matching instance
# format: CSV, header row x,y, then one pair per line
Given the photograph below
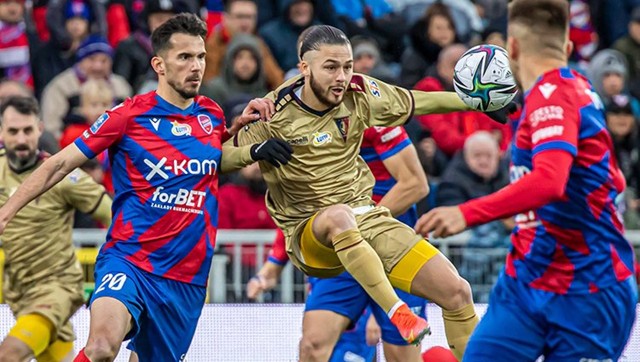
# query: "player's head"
x,y
20,129
326,63
538,28
179,50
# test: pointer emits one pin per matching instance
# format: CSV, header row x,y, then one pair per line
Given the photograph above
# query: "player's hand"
x,y
502,115
259,284
256,109
274,150
373,331
442,222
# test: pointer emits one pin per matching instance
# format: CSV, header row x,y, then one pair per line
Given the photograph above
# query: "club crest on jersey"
x,y
321,138
205,123
180,129
343,127
373,87
98,123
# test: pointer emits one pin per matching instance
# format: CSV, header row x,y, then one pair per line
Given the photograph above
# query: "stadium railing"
x,y
240,253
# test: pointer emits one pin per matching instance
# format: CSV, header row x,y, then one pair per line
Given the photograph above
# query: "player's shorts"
x,y
352,345
522,323
390,238
343,295
165,312
56,298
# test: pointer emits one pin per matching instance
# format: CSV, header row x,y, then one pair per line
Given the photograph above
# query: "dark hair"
x,y
318,35
183,23
541,16
24,105
439,9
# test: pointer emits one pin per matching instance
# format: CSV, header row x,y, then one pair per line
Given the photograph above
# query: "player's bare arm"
x,y
411,185
42,179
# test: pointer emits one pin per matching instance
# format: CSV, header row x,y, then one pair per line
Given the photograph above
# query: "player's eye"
x,y
330,67
348,67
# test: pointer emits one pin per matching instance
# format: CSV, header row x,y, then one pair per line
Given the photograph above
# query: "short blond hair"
x,y
96,89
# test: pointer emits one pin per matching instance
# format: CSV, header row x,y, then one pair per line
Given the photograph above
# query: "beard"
x,y
322,94
183,91
19,163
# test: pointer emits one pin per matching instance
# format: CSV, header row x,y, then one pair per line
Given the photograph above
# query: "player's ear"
x,y
158,65
303,66
569,48
513,48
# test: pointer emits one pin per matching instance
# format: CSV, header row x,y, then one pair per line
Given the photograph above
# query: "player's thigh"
x,y
321,329
603,335
331,221
116,304
509,331
406,353
169,320
310,255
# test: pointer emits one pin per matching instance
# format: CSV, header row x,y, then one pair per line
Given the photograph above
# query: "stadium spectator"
x,y
242,73
70,23
582,33
367,59
133,54
16,43
240,17
10,88
608,71
623,126
475,172
629,45
61,96
282,34
449,131
428,37
42,279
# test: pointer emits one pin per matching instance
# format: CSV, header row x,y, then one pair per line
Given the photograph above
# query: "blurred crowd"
x,y
80,57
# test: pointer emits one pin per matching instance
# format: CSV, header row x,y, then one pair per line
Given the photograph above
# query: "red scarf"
x,y
14,53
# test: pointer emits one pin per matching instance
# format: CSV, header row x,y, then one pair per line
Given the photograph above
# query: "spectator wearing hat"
x,y
629,45
240,17
61,96
70,22
367,60
242,74
609,73
132,56
15,52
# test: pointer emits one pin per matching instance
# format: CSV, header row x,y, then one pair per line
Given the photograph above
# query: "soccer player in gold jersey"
x,y
43,278
322,198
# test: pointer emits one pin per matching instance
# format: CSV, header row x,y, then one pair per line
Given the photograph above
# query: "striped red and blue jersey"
x,y
378,144
575,242
165,163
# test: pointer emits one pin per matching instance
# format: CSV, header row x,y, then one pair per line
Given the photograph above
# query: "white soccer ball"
x,y
483,79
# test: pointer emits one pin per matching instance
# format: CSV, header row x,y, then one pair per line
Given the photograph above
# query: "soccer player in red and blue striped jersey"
x,y
165,149
568,290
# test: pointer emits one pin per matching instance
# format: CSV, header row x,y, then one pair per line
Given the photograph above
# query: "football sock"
x,y
458,326
362,262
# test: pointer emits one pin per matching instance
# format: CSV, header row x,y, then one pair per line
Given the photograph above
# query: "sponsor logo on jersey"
x,y
373,87
300,141
85,134
546,113
183,200
98,123
343,127
180,167
321,138
180,129
74,176
391,135
547,89
547,132
205,123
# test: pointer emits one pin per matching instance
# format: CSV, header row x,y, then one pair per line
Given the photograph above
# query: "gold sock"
x,y
458,326
362,262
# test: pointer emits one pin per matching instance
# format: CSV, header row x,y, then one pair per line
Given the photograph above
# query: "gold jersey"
x,y
37,241
326,168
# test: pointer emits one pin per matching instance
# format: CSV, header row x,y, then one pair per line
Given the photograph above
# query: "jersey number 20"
x,y
113,282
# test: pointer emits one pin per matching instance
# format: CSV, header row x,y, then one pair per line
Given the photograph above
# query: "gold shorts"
x,y
390,238
55,299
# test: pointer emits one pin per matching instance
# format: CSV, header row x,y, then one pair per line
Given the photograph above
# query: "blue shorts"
x,y
343,295
165,312
522,324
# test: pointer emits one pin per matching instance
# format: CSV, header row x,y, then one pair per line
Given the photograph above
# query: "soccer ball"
x,y
482,78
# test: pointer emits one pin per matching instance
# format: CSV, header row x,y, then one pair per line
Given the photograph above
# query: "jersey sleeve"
x,y
387,105
80,191
387,141
107,130
278,254
554,123
252,133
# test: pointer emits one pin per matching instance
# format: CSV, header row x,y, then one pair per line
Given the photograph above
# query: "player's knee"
x,y
314,348
101,349
459,295
11,353
338,218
